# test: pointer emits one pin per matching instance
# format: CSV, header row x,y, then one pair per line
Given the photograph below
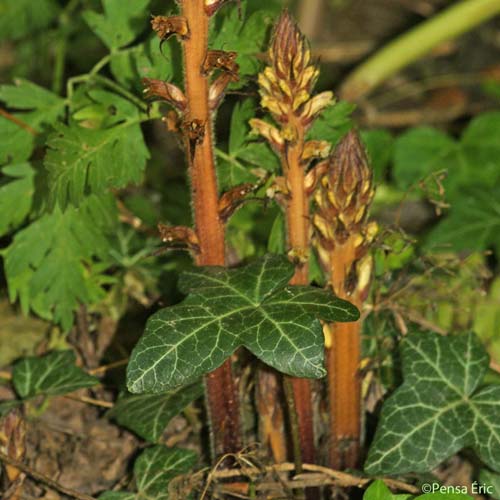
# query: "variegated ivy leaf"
x,y
50,375
149,414
249,306
153,470
491,483
440,408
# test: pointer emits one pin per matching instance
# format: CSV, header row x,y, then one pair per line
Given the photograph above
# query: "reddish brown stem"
x,y
222,400
344,384
298,229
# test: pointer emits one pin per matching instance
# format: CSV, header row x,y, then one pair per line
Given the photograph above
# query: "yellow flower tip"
x,y
289,133
300,98
327,333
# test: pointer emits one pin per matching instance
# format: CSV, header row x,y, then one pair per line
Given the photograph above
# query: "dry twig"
x,y
42,478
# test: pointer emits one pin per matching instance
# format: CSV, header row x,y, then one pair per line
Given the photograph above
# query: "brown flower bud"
x,y
342,201
165,27
271,133
218,89
222,60
287,83
172,235
165,91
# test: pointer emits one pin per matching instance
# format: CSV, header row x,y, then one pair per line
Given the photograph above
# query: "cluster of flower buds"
x,y
215,60
342,200
286,87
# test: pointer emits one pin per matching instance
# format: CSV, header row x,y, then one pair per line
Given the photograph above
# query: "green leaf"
x,y
50,375
49,263
250,306
153,471
481,149
19,18
439,409
148,414
474,160
473,223
38,107
277,236
120,23
444,496
236,166
81,161
379,145
26,95
246,36
333,123
15,196
6,406
491,481
420,152
378,491
143,61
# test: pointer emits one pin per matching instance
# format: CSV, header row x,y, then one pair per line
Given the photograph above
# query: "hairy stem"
x,y
452,22
298,230
342,360
221,394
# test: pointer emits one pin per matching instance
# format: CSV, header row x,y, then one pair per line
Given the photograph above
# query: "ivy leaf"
x,y
153,470
19,18
250,306
37,107
120,23
82,161
7,406
492,482
148,414
49,263
15,196
439,409
50,375
473,223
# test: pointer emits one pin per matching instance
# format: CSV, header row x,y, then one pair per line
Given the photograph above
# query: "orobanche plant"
x,y
267,310
250,306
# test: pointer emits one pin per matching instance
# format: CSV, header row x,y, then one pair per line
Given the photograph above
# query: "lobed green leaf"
x,y
120,23
250,306
81,161
153,471
16,196
439,409
50,375
148,414
49,264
